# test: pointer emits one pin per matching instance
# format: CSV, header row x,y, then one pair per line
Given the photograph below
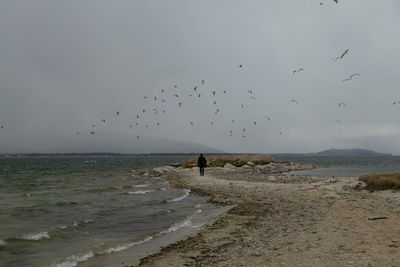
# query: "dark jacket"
x,y
201,161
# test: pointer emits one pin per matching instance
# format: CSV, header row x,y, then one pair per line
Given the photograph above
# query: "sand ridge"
x,y
310,222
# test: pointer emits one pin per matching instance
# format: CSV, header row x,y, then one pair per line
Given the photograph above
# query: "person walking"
x,y
202,163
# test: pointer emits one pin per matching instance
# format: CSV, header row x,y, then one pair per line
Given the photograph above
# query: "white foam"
x,y
35,236
2,242
187,192
198,206
176,226
141,192
163,189
73,260
126,246
140,185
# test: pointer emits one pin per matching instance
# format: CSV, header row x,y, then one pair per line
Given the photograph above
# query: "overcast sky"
x,y
66,65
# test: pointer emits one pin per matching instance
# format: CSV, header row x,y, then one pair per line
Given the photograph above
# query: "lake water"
x,y
59,211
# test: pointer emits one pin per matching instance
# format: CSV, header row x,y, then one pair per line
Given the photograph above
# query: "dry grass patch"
x,y
381,181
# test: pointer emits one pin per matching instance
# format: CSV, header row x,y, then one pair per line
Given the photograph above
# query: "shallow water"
x,y
345,166
58,211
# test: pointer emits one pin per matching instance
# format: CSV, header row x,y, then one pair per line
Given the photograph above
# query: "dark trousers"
x,y
201,170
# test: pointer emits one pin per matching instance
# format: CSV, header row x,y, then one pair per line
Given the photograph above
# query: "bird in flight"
x,y
137,137
155,98
341,105
213,92
242,106
175,95
93,125
224,91
199,95
176,86
396,102
250,91
77,133
336,1
255,123
294,101
350,77
191,123
145,97
158,124
137,116
195,88
297,70
202,82
230,133
162,101
143,110
162,90
103,120
180,104
267,118
117,112
342,55
2,126
214,102
92,133
233,121
240,66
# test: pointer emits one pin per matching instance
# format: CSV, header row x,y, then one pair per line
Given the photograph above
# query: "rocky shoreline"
x,y
286,220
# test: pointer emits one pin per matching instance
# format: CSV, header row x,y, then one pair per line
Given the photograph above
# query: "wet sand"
x,y
283,220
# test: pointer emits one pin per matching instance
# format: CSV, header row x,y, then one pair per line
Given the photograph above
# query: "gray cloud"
x,y
66,65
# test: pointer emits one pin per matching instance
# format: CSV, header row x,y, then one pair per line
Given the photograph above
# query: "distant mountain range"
x,y
355,152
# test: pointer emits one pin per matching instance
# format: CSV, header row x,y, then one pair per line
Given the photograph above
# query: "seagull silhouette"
x,y
294,101
297,70
92,133
175,95
117,113
103,120
202,82
214,102
240,66
350,77
224,91
342,55
341,105
195,88
213,92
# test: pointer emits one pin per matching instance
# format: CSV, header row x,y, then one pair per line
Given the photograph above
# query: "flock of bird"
x,y
200,91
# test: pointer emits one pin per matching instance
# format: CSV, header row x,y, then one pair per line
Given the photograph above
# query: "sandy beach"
x,y
283,220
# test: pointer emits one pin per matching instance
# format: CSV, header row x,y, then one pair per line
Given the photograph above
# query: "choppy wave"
x,y
35,236
73,260
140,185
140,192
126,246
187,192
176,226
75,224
